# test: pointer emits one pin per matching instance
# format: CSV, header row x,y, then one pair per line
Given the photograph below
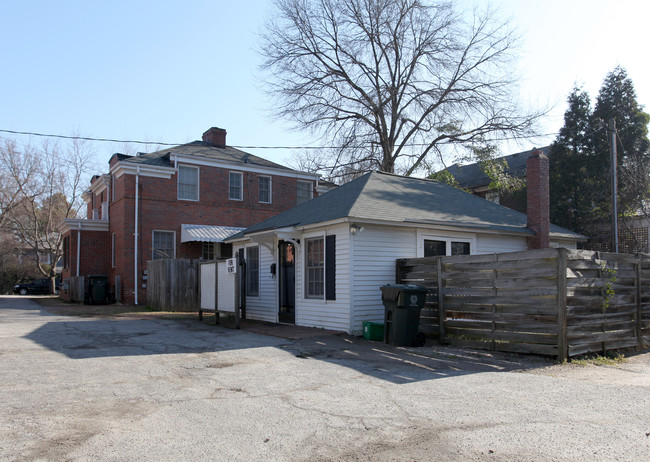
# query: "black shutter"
x,y
330,267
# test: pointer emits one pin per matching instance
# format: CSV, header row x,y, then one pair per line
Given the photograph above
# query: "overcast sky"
x,y
167,70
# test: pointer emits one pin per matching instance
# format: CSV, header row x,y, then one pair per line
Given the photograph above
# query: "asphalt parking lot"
x,y
132,388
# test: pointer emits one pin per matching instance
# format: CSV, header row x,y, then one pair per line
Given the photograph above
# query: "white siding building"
x,y
322,263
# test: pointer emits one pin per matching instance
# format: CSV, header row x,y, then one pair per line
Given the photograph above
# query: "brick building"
x,y
188,199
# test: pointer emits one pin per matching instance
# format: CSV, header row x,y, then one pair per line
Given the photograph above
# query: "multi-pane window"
x,y
188,183
265,189
235,190
315,267
436,248
305,191
253,271
163,245
207,251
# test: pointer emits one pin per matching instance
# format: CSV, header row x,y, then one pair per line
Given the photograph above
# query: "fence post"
x,y
562,347
441,308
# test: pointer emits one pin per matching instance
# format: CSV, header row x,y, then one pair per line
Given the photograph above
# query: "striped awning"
x,y
207,233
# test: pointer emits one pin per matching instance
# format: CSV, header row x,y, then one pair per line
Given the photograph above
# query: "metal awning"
x,y
207,233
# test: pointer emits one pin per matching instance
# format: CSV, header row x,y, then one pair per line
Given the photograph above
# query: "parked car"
x,y
37,286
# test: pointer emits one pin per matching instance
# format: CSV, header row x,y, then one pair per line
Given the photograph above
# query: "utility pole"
x,y
611,129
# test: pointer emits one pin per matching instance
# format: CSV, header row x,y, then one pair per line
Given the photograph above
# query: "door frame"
x,y
287,316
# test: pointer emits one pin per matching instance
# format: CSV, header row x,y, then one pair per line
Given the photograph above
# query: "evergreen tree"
x,y
617,100
580,170
574,179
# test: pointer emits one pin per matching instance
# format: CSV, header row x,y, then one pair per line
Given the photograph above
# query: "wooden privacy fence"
x,y
73,289
557,302
173,285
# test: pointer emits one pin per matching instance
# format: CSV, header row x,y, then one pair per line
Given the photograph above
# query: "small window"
x,y
459,248
207,251
434,248
305,191
253,271
235,191
188,183
315,267
265,189
163,245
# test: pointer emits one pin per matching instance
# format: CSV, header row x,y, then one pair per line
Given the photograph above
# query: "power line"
x,y
111,140
86,138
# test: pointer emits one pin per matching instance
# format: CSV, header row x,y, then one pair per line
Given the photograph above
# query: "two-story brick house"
x,y
179,202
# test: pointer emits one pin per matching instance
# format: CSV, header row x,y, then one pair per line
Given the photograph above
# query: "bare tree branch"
x,y
392,81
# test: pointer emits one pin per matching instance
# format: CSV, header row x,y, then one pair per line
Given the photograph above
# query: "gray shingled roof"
x,y
393,198
200,149
471,176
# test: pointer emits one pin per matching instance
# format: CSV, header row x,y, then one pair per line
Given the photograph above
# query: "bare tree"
x,y
40,188
391,84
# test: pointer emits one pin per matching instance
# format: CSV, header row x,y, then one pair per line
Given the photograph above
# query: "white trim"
x,y
163,231
270,201
241,185
198,183
81,223
100,184
244,167
423,235
120,169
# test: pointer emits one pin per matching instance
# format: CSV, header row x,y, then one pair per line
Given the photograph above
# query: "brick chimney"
x,y
216,137
537,201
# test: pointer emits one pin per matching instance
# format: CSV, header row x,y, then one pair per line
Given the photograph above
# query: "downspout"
x,y
135,234
78,246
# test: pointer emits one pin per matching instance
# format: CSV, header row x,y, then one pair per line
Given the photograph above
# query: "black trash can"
x,y
97,290
402,305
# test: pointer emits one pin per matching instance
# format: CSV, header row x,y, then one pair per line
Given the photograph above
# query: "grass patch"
x,y
611,358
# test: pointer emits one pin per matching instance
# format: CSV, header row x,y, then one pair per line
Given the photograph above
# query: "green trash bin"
x,y
402,305
97,290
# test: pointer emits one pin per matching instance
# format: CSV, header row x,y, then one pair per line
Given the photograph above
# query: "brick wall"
x,y
95,254
160,210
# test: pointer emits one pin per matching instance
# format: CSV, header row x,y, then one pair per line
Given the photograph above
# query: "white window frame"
x,y
178,183
449,238
153,232
259,267
241,186
270,189
306,293
311,191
